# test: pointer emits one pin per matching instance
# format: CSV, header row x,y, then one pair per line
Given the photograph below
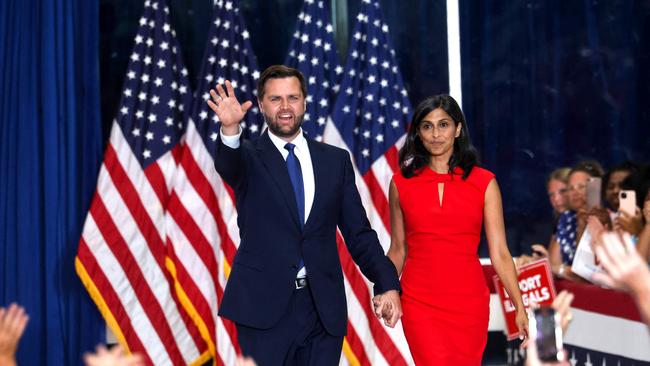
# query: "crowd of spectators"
x,y
618,237
568,193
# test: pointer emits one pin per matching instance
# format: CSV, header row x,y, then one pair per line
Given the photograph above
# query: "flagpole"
x,y
339,13
453,50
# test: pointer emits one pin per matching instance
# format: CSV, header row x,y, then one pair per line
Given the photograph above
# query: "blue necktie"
x,y
295,175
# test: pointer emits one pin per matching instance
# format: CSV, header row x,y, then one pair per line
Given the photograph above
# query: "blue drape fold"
x,y
50,151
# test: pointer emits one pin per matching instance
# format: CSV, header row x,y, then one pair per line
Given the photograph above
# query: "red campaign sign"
x,y
536,284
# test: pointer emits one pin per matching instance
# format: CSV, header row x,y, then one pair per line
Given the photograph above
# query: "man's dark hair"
x,y
639,181
280,72
626,166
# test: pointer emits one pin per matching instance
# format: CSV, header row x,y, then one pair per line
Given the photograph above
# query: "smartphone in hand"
x,y
548,335
627,202
594,185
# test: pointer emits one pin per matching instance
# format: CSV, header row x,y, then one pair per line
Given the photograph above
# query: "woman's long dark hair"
x,y
413,156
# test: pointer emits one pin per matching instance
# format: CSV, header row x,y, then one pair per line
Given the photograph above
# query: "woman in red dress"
x,y
438,203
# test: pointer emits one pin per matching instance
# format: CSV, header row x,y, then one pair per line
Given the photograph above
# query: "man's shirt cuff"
x,y
231,141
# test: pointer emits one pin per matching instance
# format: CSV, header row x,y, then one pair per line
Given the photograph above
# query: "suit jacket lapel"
x,y
277,167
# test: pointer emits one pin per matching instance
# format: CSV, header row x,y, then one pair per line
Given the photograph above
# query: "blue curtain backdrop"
x,y
50,151
547,83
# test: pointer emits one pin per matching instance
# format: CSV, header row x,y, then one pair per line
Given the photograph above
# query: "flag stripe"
x,y
204,189
197,179
392,158
177,153
195,237
110,298
379,200
194,242
186,221
195,303
227,338
128,297
356,344
155,176
333,137
202,161
225,331
360,290
127,174
376,220
382,169
361,324
144,294
140,217
203,228
190,253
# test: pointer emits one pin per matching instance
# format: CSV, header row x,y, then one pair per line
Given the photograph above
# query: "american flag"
x,y
369,120
202,230
313,52
122,256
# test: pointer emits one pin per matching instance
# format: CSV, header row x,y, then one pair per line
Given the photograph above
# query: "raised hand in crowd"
x,y
387,306
225,104
600,213
562,307
13,321
625,269
539,251
245,361
628,223
523,260
113,357
596,228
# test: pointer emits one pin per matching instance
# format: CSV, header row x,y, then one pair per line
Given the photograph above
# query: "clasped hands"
x,y
388,306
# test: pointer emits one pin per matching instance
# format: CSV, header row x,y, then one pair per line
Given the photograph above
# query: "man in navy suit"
x,y
285,292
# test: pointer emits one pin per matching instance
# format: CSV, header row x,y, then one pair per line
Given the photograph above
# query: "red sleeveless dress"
x,y
445,299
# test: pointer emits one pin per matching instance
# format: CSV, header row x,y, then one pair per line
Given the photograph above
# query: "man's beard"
x,y
274,126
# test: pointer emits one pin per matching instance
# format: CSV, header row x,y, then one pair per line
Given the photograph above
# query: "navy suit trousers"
x,y
300,331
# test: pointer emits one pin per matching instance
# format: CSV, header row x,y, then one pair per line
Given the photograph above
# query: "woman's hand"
x,y
629,223
521,320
